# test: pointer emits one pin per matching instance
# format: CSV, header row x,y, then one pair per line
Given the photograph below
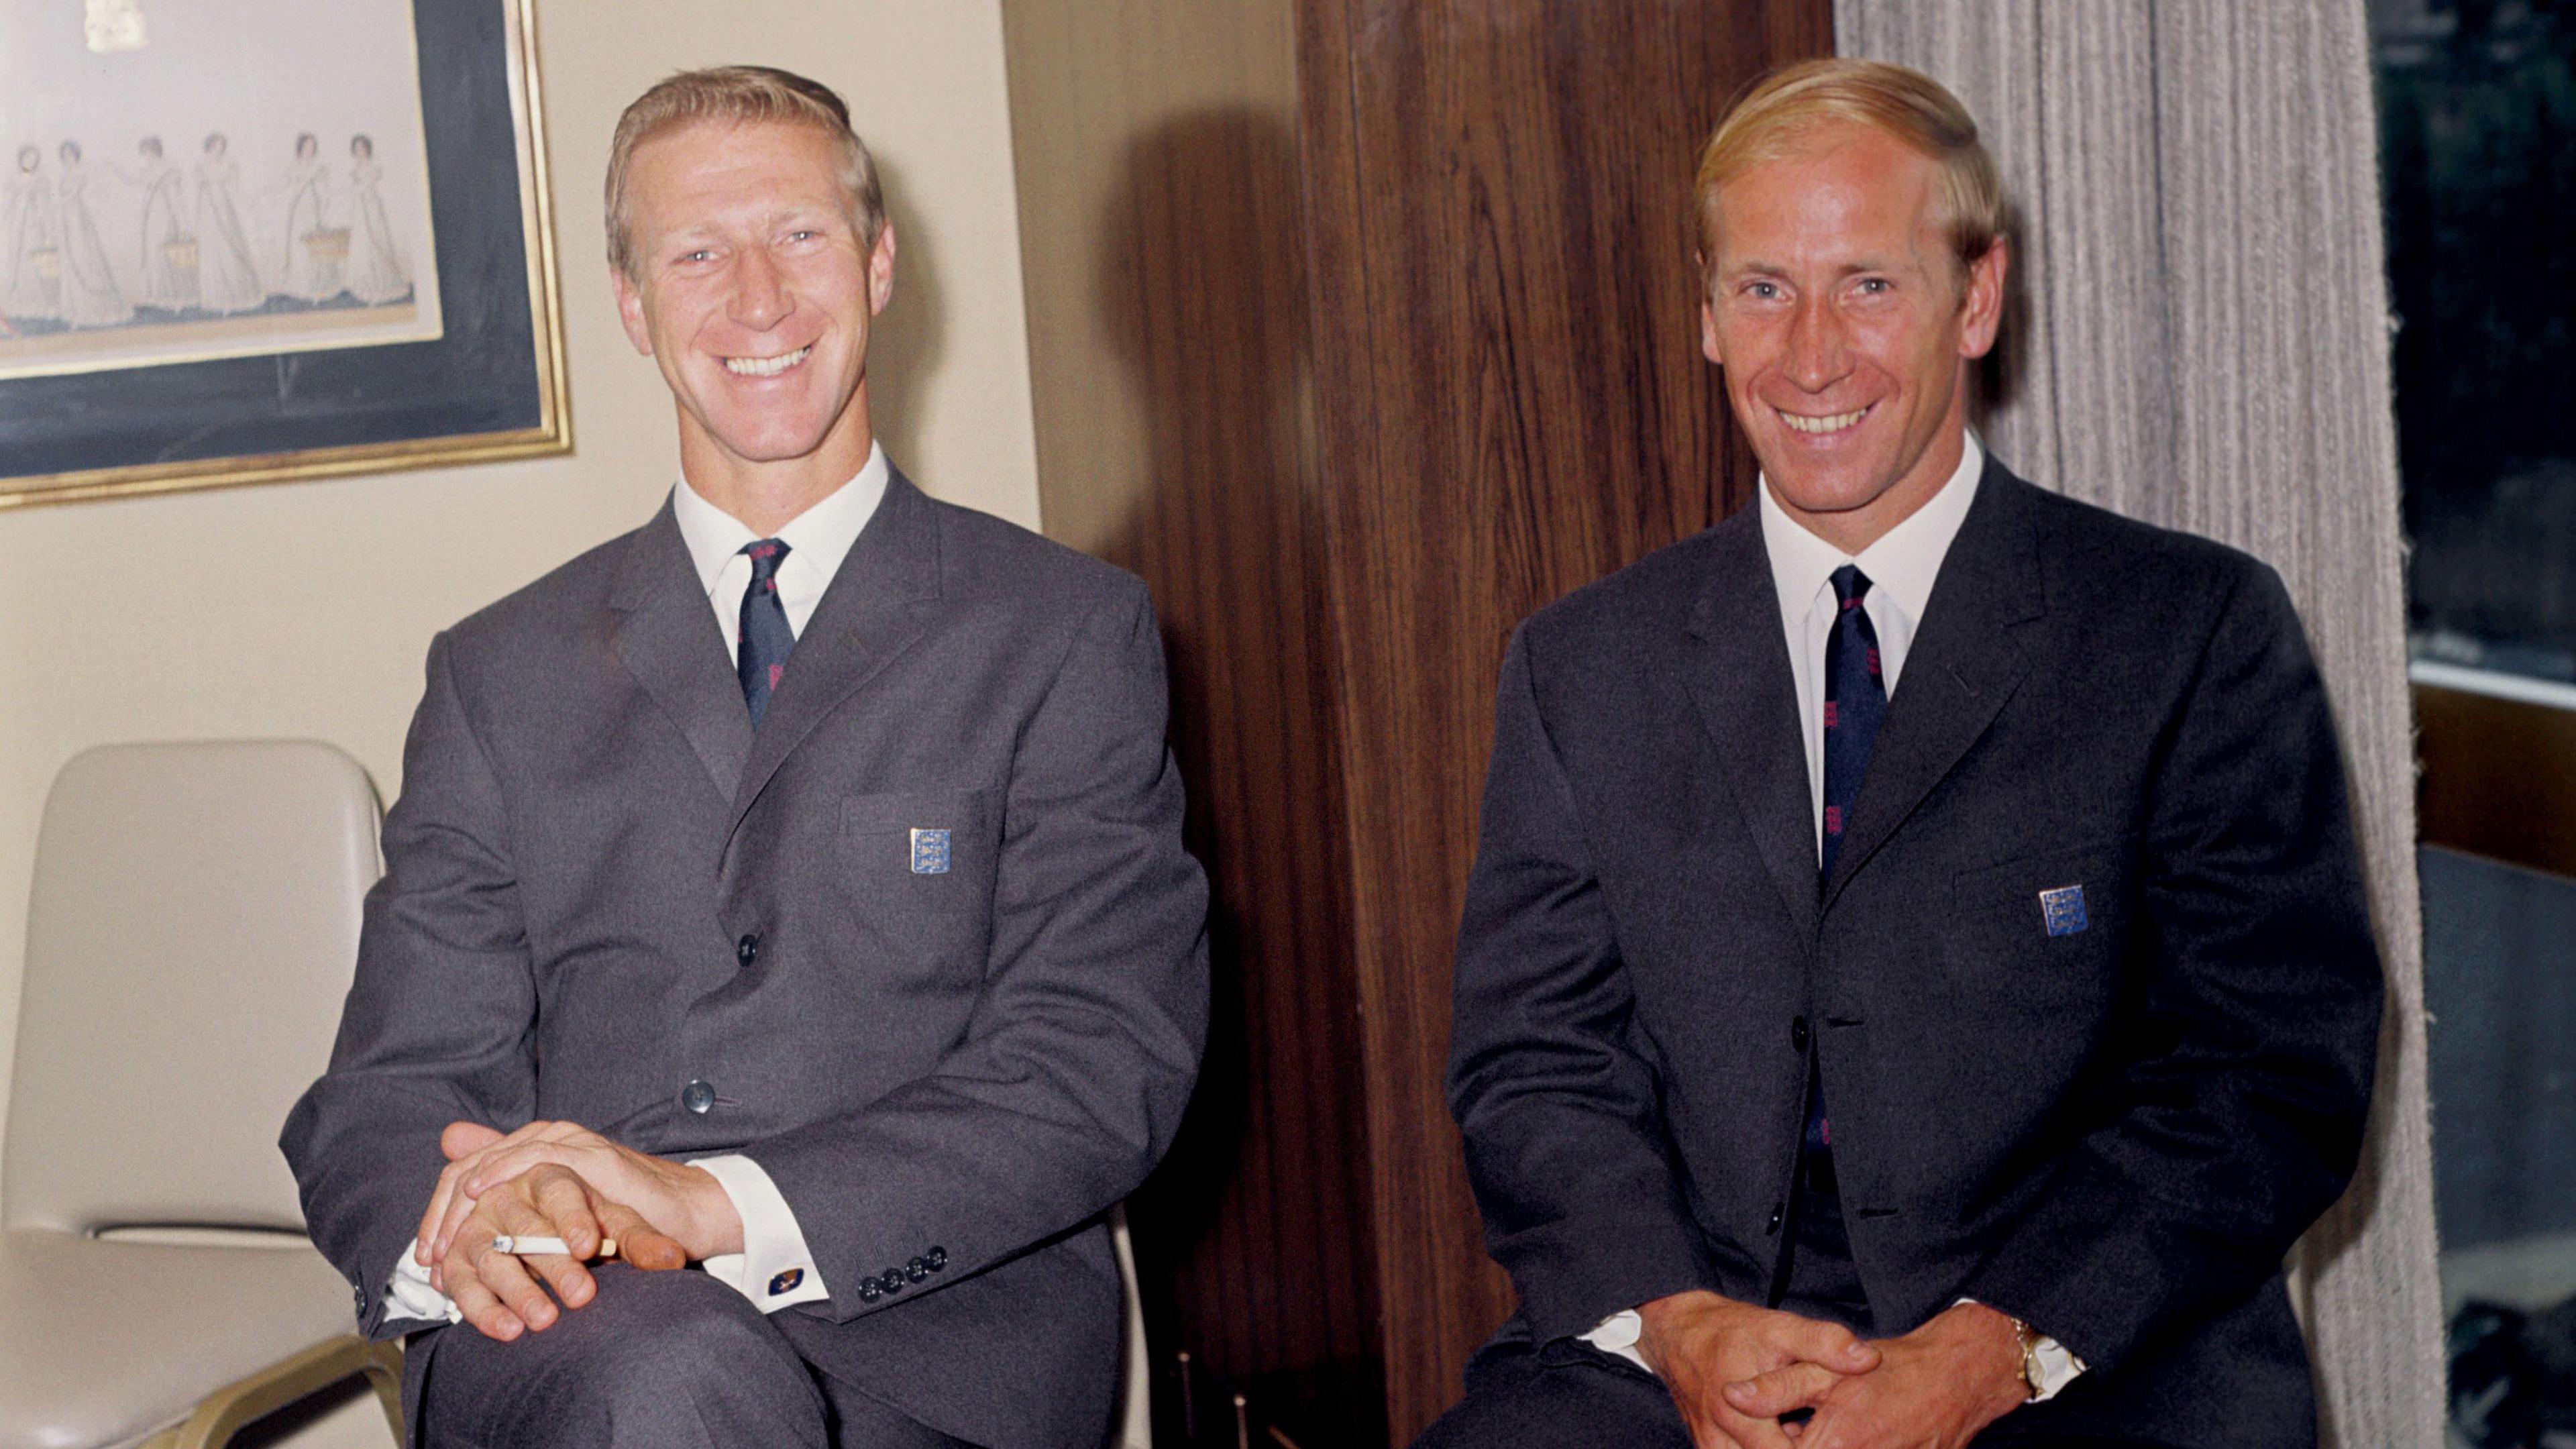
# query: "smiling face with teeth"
x,y
755,289
1845,327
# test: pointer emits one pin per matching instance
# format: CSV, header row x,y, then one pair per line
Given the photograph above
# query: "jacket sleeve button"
x,y
747,950
937,1258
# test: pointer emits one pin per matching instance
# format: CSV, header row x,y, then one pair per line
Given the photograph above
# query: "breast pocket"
x,y
2040,937
918,868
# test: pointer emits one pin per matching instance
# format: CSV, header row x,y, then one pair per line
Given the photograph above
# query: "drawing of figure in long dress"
x,y
227,278
31,288
91,297
167,259
314,249
376,274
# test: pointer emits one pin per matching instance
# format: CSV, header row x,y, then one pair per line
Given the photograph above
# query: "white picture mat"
x,y
261,72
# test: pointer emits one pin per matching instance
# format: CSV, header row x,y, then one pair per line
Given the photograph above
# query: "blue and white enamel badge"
x,y
930,852
2062,910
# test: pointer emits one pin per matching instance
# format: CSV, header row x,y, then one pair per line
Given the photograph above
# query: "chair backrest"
x,y
191,934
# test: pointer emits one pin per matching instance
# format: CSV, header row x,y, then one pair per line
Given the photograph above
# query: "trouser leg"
x,y
1560,1396
670,1360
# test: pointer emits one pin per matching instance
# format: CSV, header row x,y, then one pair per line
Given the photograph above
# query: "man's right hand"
x,y
1699,1342
498,1293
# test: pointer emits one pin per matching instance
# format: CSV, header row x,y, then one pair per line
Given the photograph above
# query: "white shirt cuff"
x,y
774,1270
2058,1365
1618,1334
412,1297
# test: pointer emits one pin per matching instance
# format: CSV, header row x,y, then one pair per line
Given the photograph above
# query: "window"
x,y
2478,153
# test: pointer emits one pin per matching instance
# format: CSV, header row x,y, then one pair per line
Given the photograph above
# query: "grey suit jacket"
x,y
602,885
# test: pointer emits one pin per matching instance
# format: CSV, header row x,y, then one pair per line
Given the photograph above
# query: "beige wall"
x,y
305,610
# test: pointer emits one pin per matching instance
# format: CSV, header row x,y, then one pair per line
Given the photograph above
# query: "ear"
x,y
1708,332
630,309
1981,312
881,270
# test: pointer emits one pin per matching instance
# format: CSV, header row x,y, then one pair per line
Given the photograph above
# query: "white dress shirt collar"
x,y
821,535
1903,563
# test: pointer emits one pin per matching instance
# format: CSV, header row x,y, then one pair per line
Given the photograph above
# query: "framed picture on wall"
x,y
251,240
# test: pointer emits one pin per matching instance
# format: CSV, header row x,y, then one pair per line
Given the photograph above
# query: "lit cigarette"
x,y
538,1247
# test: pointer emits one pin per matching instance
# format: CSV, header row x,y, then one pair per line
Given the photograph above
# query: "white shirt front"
x,y
774,1255
1901,565
817,540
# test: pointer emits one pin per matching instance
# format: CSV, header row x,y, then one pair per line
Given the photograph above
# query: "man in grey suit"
x,y
792,887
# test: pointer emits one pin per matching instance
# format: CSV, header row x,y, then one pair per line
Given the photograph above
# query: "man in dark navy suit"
x,y
1915,983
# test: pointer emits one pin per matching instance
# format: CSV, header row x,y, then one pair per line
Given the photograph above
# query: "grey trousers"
x,y
666,1360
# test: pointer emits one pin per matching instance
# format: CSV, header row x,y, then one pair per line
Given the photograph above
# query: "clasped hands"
x,y
1733,1369
559,1179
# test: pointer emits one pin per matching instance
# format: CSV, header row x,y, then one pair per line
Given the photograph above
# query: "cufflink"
x,y
786,1282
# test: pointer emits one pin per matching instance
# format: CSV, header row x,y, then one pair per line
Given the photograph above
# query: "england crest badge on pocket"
x,y
2061,910
929,852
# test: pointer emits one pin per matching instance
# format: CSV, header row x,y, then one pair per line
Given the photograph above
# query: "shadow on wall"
x,y
1254,1236
912,334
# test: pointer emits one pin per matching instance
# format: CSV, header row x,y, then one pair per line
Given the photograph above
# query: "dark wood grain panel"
x,y
1160,211
1360,328
2499,777
1511,404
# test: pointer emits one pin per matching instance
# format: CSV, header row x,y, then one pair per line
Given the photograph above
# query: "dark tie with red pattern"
x,y
761,646
1816,1273
1855,701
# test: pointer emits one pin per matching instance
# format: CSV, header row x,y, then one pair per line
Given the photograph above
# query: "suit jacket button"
x,y
1797,1033
698,1097
868,1291
915,1271
747,950
937,1258
1773,1226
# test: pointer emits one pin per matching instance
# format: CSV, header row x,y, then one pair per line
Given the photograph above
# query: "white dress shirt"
x,y
1901,566
774,1255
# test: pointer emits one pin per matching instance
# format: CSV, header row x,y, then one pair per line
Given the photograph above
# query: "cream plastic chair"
x,y
190,935
1136,1383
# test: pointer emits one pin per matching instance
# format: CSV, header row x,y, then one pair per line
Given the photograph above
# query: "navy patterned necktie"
x,y
762,645
1855,702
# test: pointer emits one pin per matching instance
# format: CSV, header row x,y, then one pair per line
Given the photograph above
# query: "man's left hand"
x,y
1935,1388
684,1201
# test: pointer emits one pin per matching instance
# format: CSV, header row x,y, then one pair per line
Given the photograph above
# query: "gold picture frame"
x,y
74,434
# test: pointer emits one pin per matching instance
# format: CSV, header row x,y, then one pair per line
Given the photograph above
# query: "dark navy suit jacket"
x,y
2114,1133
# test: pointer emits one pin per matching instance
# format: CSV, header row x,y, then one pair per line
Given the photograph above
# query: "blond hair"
x,y
740,94
1785,108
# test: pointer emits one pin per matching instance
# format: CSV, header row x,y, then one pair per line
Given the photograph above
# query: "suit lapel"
x,y
875,607
669,640
1963,665
1739,675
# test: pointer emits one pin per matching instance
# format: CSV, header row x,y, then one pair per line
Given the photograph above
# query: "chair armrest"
x,y
234,1407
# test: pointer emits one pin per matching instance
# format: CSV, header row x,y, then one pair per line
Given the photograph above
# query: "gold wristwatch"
x,y
2034,1374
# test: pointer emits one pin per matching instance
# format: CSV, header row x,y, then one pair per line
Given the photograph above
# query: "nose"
x,y
1819,346
760,297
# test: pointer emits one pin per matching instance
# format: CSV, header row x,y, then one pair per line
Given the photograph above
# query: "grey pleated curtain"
x,y
2205,345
